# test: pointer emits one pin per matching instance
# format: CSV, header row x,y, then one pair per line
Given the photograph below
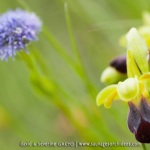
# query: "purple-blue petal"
x,y
17,29
145,110
139,121
134,118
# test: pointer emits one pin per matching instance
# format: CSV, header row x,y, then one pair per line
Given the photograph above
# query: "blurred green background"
x,y
27,116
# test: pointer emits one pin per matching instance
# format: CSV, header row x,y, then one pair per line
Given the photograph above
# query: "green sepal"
x,y
132,68
139,49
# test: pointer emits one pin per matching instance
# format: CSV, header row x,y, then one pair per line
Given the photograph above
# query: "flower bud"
x,y
119,63
116,71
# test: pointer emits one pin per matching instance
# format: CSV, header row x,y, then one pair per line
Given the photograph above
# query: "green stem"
x,y
144,146
70,31
56,45
78,68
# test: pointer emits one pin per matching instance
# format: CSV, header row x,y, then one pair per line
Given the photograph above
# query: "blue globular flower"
x,y
17,29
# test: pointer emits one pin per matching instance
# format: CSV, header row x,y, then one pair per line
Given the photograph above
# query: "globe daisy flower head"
x,y
135,89
17,29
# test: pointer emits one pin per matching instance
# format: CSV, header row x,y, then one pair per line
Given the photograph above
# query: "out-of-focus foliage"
x,y
97,26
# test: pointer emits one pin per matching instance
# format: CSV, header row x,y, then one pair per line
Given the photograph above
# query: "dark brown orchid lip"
x,y
119,63
139,121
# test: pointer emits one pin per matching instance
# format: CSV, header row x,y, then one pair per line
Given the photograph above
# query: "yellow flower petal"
x,y
102,96
143,90
110,98
145,76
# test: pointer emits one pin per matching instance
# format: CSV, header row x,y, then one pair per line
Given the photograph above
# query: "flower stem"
x,y
80,66
76,63
144,146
